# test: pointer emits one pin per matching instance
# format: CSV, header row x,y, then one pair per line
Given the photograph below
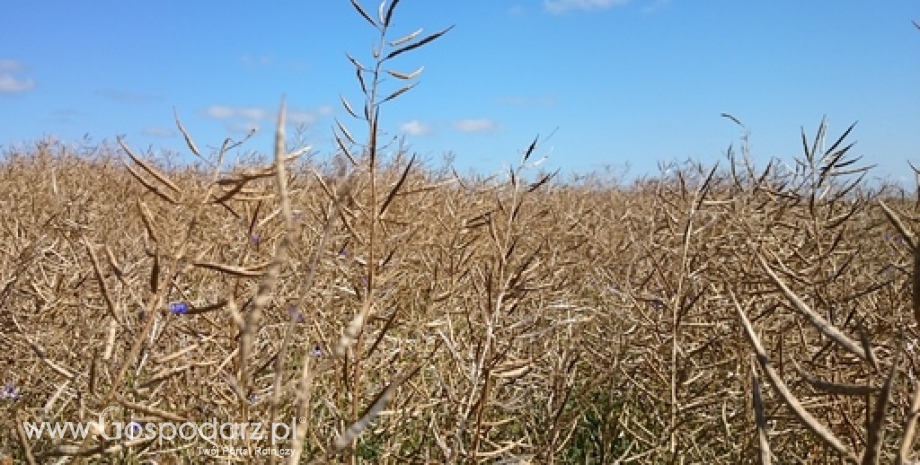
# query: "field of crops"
x,y
408,315
393,311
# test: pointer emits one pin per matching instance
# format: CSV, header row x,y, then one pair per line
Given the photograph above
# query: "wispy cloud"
x,y
10,65
561,6
475,125
244,127
10,83
242,119
228,112
306,118
415,128
158,131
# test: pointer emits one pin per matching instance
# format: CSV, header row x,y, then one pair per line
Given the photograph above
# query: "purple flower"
x,y
896,238
317,351
133,430
9,392
178,308
254,239
295,314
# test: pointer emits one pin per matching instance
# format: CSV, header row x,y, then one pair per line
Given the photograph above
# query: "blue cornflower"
x,y
9,392
896,238
178,308
133,430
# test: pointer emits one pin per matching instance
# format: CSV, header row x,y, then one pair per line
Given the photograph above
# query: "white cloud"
x,y
10,65
9,83
262,114
227,112
415,128
475,125
561,6
244,128
242,119
306,118
156,131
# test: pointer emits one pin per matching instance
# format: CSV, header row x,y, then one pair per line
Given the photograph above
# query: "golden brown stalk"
x,y
816,320
910,430
876,427
23,438
760,419
788,397
843,389
106,294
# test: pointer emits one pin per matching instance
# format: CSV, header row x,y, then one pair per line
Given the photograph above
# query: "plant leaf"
x,y
418,44
355,62
348,107
363,13
405,76
399,92
529,152
345,132
397,187
406,38
389,15
361,81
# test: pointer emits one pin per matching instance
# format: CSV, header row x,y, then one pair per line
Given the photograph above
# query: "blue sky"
x,y
605,82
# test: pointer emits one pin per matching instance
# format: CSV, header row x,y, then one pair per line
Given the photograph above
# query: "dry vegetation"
x,y
408,315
